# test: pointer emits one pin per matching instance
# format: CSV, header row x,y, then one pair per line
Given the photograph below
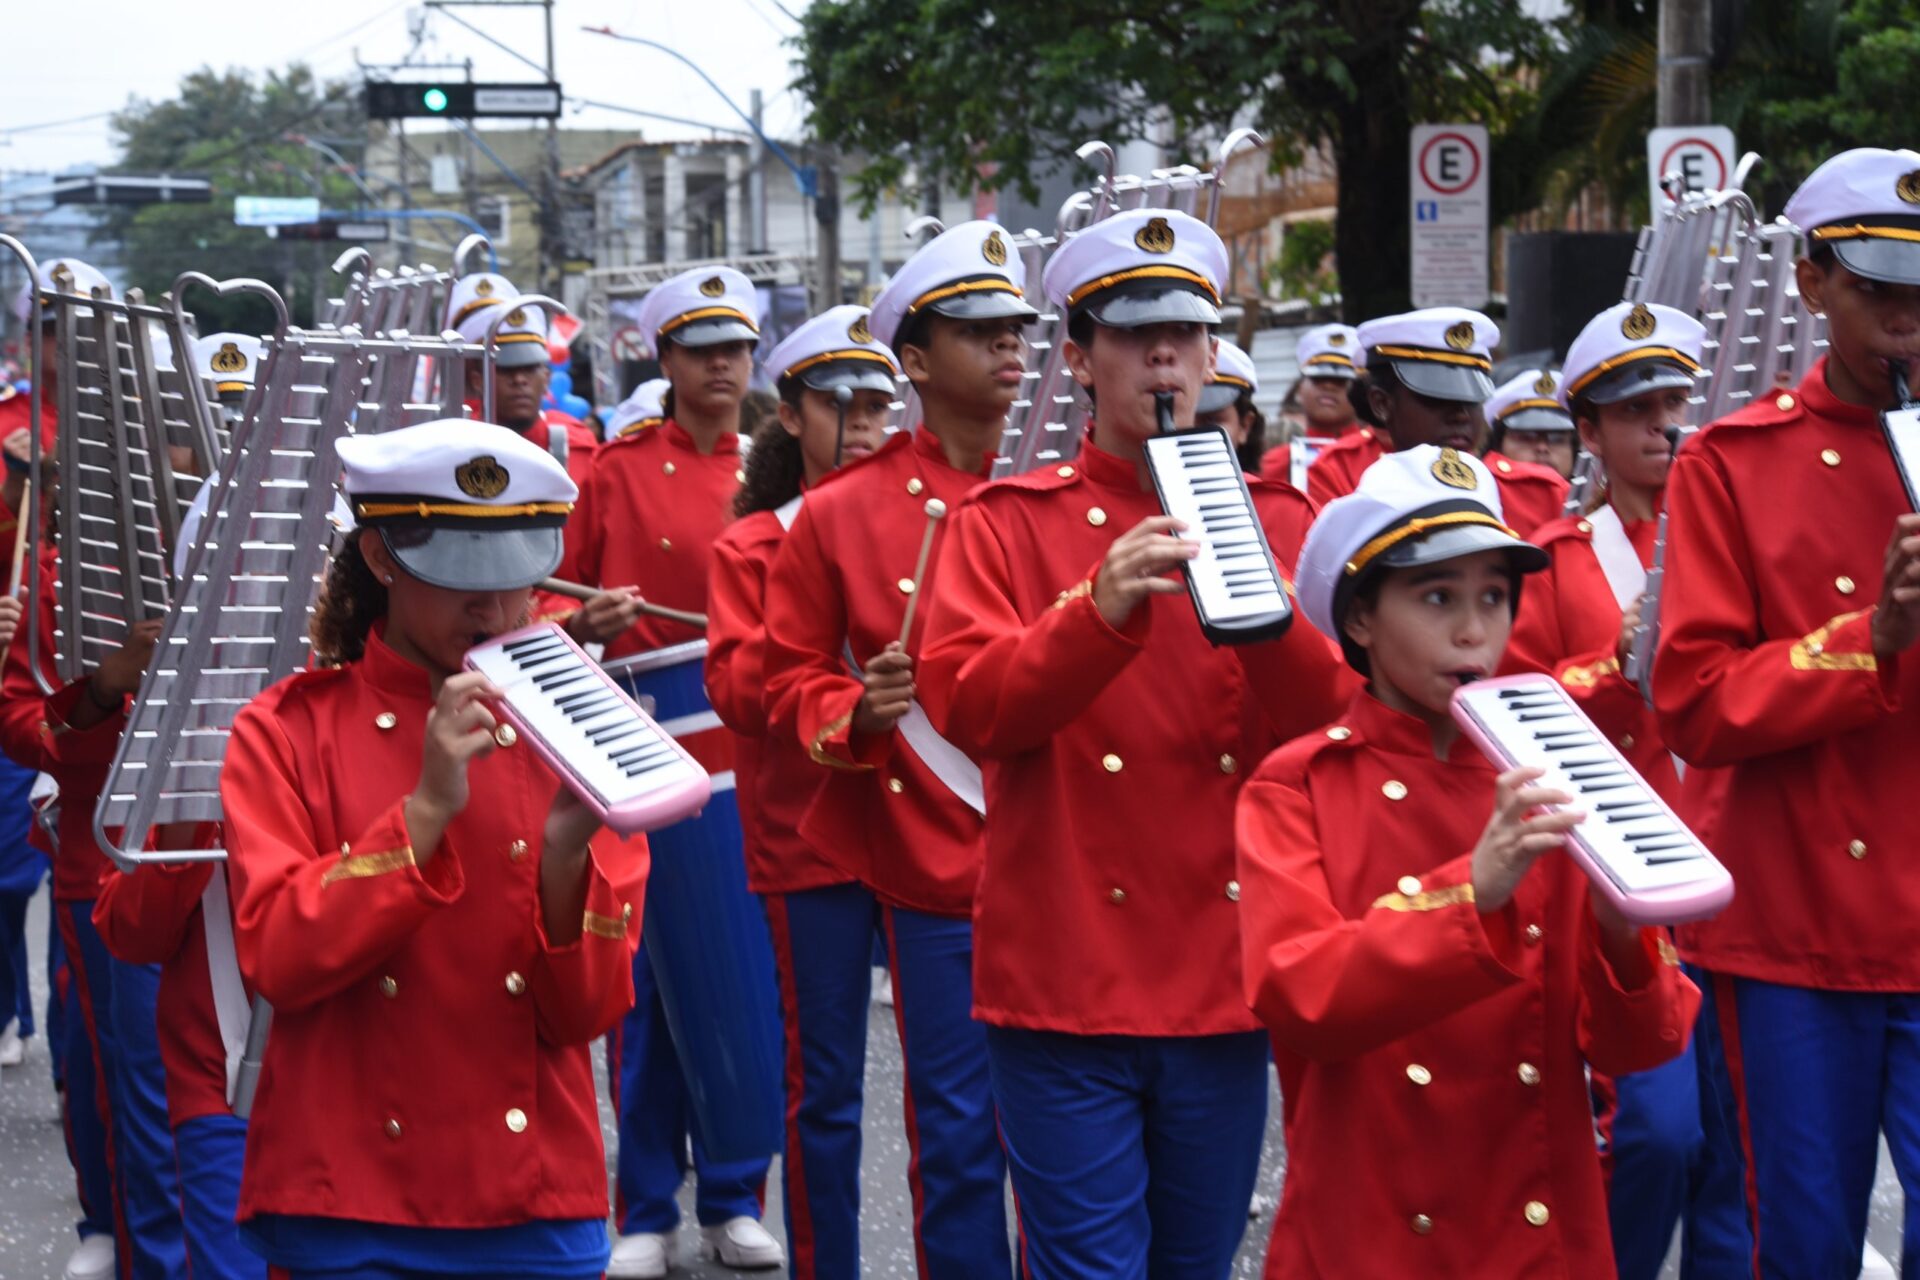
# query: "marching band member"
x,y
1627,381
419,901
1227,402
1792,607
1427,376
899,809
822,919
116,1084
520,370
23,868
640,410
1131,1079
648,519
1527,422
1325,355
1434,994
158,914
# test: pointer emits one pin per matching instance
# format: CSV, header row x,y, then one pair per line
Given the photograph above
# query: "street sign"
x,y
1449,215
1702,154
274,211
132,188
459,100
628,344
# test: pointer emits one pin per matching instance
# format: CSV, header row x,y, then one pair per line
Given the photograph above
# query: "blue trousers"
x,y
89,1049
60,1000
210,1150
957,1169
823,943
1132,1157
1805,1082
16,994
142,1136
656,1123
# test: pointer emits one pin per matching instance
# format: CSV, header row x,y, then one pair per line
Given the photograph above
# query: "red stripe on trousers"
x,y
906,1090
1727,1014
77,965
799,1211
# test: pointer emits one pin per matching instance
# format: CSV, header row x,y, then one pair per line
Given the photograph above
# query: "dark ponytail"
x,y
775,467
351,601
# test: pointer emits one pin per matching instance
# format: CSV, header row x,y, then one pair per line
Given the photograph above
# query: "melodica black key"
x,y
1632,845
1234,582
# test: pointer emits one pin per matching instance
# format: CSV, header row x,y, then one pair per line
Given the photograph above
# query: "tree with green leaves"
x,y
960,89
244,134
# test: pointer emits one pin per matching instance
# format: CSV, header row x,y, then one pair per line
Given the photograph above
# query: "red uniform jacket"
x,y
1778,523
648,516
1276,463
429,1059
1431,1058
153,915
1530,495
1112,758
16,407
1569,627
774,780
841,580
33,730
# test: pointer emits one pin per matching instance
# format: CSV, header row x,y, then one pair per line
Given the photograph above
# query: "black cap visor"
x,y
982,304
1880,258
1136,305
1441,381
855,375
1537,420
712,331
1637,379
465,559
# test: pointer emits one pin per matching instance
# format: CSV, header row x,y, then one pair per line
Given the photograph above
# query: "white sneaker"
x,y
742,1244
93,1260
1875,1267
645,1255
13,1050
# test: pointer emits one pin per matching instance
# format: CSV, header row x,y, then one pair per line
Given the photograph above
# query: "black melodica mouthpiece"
x,y
1902,396
1163,411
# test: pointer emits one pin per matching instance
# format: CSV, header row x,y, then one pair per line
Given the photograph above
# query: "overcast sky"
x,y
83,58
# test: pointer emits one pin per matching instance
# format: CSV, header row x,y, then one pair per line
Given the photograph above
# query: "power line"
x,y
55,124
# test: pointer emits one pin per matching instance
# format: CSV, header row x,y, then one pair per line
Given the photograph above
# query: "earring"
x,y
389,579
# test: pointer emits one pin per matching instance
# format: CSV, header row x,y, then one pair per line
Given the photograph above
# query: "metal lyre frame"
x,y
1045,425
121,501
347,308
490,345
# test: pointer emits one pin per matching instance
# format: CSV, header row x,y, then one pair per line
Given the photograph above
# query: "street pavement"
x,y
37,1206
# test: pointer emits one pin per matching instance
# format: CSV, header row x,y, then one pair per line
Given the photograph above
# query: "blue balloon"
x,y
561,383
576,407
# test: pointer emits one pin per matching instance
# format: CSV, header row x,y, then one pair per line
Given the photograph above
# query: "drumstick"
x,y
24,515
573,590
935,510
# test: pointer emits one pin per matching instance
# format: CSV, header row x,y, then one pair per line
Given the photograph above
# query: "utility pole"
x,y
756,180
550,182
1686,45
826,211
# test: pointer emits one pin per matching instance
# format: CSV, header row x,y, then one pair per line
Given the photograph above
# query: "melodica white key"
x,y
596,738
1234,582
1902,425
1633,846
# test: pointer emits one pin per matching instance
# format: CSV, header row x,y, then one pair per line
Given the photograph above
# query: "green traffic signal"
x,y
434,100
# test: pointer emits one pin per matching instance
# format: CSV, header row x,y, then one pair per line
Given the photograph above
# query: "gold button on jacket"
x,y
517,1121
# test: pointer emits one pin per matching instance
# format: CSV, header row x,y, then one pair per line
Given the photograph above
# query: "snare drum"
x,y
704,931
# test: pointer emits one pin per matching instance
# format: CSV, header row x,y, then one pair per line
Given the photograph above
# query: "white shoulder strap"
x,y
1618,560
789,511
230,1006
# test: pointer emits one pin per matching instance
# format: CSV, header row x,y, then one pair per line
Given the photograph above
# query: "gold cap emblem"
x,y
483,288
1452,470
1460,336
1639,323
712,287
1155,237
858,331
1336,339
994,249
228,359
517,316
1543,385
1908,188
482,477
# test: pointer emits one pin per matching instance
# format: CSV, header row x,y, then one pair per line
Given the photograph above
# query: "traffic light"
x,y
416,99
460,100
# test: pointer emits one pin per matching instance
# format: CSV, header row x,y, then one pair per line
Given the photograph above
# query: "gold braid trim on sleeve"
x,y
1426,900
820,755
613,927
362,865
1588,677
1082,588
1810,652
